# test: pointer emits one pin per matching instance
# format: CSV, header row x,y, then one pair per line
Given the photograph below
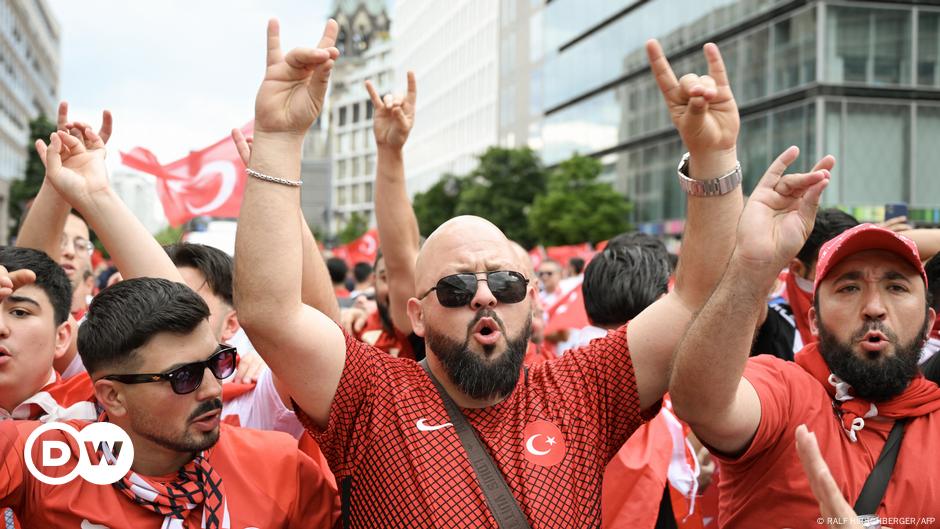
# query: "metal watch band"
x,y
708,188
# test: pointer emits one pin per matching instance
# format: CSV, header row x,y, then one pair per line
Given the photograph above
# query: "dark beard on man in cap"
x,y
877,380
475,376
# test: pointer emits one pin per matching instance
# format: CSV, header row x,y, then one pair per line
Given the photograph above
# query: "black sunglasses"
x,y
187,378
457,290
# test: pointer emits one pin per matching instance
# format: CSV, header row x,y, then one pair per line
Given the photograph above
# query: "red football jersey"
x,y
268,482
400,463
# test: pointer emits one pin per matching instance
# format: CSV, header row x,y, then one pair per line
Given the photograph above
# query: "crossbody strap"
x,y
502,504
877,483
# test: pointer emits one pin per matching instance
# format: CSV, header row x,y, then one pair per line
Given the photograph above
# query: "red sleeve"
x,y
601,375
777,383
12,466
351,409
317,503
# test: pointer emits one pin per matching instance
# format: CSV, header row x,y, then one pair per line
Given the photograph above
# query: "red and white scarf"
x,y
197,483
920,398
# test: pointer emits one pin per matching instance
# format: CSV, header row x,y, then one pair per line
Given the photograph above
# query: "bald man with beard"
x,y
550,429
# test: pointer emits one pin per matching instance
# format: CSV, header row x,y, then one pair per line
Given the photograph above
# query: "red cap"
x,y
866,237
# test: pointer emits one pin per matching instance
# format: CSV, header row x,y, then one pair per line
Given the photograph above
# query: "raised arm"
x,y
303,346
707,387
317,289
398,227
76,168
704,112
42,228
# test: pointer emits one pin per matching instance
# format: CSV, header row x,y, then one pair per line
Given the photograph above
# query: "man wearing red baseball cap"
x,y
871,314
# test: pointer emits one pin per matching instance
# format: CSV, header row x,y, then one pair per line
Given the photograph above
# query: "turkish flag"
x,y
207,182
363,249
567,313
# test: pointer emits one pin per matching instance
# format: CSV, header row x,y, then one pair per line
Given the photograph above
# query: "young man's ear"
x,y
111,399
797,267
63,336
230,326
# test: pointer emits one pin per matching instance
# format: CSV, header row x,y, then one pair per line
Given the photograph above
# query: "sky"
x,y
176,75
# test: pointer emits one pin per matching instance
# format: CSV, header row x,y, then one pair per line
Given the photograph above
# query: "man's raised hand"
x,y
702,107
394,115
291,96
76,171
780,213
77,128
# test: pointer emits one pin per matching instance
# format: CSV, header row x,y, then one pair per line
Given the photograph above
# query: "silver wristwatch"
x,y
708,188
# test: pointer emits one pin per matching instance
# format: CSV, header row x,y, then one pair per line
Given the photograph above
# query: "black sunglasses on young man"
x,y
187,378
457,290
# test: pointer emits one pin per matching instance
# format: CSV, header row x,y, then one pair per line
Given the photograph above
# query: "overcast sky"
x,y
177,75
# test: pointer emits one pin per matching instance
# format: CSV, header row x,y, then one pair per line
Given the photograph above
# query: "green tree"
x,y
169,235
439,203
502,188
22,191
354,228
576,207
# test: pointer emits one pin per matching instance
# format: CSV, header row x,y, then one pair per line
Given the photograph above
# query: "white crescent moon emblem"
x,y
229,179
367,246
531,448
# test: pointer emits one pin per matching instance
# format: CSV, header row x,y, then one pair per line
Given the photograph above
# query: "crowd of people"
x,y
782,373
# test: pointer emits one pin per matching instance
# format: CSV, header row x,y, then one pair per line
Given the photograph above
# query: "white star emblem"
x,y
551,441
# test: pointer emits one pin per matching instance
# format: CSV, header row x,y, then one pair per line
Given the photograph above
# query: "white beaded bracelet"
x,y
276,180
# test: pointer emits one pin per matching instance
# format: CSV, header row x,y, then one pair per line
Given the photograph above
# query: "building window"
x,y
928,48
867,45
342,116
355,113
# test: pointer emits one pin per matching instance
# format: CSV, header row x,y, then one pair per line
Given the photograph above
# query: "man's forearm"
x,y
268,260
45,221
317,289
710,358
398,231
711,223
135,252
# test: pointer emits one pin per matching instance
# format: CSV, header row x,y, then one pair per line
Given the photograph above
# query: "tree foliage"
x,y
357,225
439,203
502,188
576,207
24,190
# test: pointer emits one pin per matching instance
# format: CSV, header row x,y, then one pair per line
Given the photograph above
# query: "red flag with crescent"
x,y
364,249
208,182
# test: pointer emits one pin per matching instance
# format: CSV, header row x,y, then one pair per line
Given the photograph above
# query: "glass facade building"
x,y
856,79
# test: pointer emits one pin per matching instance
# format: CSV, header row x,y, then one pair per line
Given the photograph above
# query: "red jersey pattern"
x,y
268,482
401,464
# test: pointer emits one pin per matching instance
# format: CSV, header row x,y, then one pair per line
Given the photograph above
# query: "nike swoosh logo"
x,y
88,525
425,427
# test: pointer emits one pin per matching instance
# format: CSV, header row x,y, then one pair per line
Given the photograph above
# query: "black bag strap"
x,y
877,483
502,504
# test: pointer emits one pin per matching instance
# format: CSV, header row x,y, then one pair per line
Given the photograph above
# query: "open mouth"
x,y
874,342
486,331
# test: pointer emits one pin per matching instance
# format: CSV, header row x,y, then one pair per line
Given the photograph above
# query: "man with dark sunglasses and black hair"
x,y
380,420
156,366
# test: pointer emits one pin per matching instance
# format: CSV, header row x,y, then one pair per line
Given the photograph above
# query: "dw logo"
x,y
111,443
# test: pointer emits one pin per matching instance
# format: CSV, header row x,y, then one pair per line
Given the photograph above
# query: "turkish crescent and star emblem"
x,y
543,444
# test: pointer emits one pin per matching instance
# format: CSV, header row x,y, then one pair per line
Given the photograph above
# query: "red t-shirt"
x,y
389,442
766,487
395,343
268,482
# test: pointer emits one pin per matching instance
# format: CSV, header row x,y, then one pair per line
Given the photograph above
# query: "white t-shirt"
x,y
262,409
